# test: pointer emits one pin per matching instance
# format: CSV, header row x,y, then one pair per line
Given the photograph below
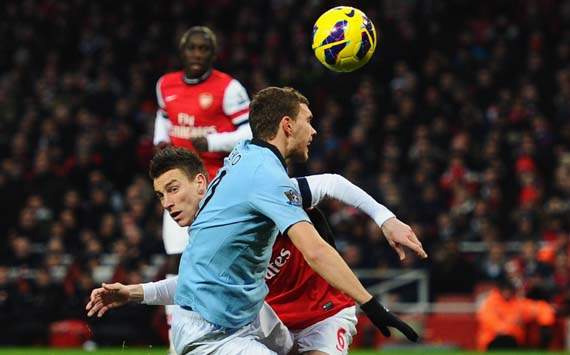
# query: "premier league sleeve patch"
x,y
294,198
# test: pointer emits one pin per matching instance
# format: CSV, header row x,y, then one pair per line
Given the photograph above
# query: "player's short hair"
x,y
203,30
171,158
269,106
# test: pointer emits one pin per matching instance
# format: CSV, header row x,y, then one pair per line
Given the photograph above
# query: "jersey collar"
x,y
271,147
198,80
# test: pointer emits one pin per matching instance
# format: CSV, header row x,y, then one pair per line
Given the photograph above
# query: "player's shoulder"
x,y
170,79
222,76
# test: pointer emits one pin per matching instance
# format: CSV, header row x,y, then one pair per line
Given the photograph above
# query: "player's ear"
x,y
202,182
287,125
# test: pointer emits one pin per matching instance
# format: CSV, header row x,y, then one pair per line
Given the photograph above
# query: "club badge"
x,y
205,100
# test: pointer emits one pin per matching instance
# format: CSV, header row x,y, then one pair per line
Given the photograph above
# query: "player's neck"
x,y
280,144
193,81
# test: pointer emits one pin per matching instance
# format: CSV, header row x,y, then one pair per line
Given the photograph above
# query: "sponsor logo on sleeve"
x,y
293,197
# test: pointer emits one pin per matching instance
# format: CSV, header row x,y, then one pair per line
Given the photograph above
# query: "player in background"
x,y
201,109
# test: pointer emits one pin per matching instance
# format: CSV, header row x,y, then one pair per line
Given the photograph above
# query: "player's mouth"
x,y
196,66
174,215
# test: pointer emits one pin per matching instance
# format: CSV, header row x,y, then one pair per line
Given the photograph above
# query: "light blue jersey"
x,y
222,269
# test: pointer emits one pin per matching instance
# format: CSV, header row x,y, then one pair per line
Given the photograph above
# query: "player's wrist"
x,y
136,293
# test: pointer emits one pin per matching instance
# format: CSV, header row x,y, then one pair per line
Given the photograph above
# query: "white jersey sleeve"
x,y
160,292
236,107
236,103
158,90
161,128
226,141
315,188
161,122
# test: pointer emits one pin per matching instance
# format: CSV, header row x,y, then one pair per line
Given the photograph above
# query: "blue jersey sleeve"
x,y
278,199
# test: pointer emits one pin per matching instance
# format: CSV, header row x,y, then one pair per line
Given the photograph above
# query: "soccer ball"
x,y
344,39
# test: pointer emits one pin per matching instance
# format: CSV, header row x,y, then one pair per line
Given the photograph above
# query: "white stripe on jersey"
x,y
241,119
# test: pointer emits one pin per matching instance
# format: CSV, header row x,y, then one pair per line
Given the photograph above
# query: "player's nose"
x,y
167,203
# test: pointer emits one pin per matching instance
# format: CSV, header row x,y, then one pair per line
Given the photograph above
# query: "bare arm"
x,y
326,261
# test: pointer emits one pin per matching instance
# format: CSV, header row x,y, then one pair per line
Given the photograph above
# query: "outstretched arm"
x,y
326,261
115,295
316,188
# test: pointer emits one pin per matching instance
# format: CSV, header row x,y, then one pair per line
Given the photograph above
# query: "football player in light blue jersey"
x,y
221,276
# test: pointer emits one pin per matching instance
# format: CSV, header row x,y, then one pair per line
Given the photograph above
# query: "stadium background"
x,y
460,124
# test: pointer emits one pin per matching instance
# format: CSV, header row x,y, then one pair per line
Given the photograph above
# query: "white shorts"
x,y
275,334
175,237
332,335
192,334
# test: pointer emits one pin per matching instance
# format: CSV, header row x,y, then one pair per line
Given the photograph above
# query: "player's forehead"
x,y
172,176
198,39
304,111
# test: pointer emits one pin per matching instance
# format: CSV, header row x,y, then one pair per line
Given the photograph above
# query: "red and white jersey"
x,y
219,104
298,295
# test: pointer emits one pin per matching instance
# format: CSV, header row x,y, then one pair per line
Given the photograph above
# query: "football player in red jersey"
x,y
322,320
201,108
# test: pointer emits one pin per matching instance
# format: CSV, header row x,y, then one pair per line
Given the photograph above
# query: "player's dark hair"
x,y
176,158
204,31
269,106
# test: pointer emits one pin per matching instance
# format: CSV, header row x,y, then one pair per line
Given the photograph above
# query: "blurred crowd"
x,y
460,124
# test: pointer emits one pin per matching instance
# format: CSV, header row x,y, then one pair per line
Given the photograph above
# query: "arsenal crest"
x,y
205,100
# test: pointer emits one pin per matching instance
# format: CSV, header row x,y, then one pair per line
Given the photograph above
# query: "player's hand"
x,y
107,297
383,318
200,144
400,235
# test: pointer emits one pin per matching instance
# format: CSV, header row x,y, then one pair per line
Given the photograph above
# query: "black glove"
x,y
383,318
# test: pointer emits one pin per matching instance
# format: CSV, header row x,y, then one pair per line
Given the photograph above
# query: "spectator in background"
x,y
493,266
450,271
504,317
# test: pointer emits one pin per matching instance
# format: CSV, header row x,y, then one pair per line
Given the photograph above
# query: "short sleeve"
x,y
279,200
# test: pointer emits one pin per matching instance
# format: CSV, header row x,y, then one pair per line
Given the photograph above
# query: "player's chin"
x,y
196,70
183,221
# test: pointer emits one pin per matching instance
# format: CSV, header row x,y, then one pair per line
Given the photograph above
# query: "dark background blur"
x,y
460,124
